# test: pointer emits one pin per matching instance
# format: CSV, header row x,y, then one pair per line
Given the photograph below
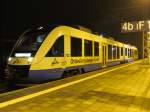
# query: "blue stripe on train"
x,y
39,76
43,75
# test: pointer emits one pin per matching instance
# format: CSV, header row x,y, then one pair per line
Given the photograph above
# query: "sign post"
x,y
148,46
140,26
143,38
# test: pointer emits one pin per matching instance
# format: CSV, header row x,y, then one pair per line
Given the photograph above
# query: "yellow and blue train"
x,y
44,54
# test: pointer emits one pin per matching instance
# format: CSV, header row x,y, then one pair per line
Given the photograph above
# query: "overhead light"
x,y
40,28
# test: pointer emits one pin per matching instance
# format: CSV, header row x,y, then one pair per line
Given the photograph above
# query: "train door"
x,y
104,55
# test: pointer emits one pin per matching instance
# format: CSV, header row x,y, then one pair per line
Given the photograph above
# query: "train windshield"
x,y
30,42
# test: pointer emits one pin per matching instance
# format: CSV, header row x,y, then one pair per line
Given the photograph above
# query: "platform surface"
x,y
126,89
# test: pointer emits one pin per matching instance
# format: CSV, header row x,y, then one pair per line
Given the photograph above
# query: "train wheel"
x,y
71,73
75,72
82,71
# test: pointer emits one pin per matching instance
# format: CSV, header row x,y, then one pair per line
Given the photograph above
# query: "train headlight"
x,y
22,54
30,59
9,59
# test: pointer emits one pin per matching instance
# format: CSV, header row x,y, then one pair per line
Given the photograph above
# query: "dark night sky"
x,y
103,16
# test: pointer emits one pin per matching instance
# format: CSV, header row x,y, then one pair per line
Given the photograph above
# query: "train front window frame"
x,y
30,42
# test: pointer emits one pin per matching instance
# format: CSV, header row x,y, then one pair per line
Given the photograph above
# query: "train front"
x,y
23,54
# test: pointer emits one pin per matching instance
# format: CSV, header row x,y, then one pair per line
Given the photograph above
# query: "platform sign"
x,y
136,26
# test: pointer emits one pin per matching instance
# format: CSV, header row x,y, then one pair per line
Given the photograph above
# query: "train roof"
x,y
49,28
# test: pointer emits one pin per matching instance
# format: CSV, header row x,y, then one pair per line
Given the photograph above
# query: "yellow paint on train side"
x,y
41,62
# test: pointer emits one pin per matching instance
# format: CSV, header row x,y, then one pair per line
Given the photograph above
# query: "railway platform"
x,y
122,88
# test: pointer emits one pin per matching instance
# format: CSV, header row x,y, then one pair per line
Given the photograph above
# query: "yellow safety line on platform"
x,y
23,98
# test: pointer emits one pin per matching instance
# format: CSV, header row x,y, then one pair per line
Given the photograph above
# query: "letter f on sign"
x,y
141,24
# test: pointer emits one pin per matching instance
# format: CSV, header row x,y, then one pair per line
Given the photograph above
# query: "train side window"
x,y
118,52
131,52
110,52
114,52
135,53
76,46
121,51
96,48
57,49
88,48
126,51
